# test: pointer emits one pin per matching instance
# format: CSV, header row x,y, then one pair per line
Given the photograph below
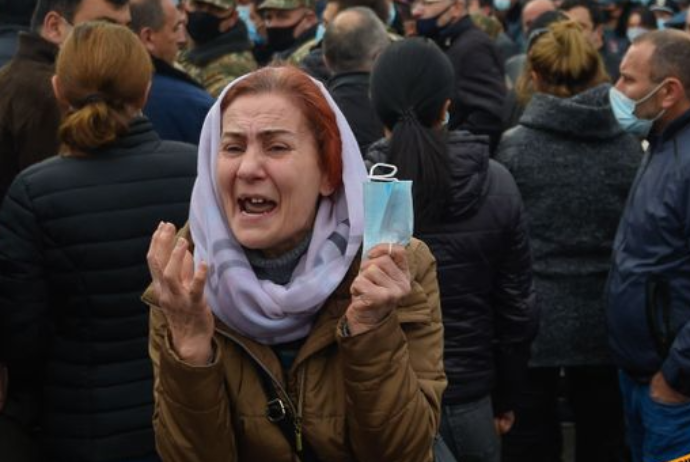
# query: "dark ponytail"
x,y
411,83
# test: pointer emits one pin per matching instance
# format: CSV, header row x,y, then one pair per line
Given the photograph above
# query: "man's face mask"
x,y
282,38
203,27
429,27
388,212
624,110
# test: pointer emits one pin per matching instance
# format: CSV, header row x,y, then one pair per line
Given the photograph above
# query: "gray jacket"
x,y
574,166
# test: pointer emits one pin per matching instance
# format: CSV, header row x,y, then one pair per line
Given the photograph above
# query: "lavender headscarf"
x,y
260,309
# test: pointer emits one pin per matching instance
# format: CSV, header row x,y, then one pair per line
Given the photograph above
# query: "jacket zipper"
x,y
256,360
300,404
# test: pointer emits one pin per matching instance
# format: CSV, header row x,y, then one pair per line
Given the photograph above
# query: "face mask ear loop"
x,y
390,176
650,94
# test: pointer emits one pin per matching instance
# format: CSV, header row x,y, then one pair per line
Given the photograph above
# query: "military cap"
x,y
286,4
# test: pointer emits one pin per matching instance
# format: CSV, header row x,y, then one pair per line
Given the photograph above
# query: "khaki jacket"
x,y
373,397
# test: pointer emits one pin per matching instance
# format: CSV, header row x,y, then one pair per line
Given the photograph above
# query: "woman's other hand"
x,y
383,280
180,292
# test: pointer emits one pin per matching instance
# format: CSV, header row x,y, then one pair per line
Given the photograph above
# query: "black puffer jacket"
x,y
74,233
485,277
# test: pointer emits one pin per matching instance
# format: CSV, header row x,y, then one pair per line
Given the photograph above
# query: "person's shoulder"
x,y
178,153
236,60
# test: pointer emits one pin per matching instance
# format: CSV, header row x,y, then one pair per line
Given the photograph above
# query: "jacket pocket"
x,y
658,311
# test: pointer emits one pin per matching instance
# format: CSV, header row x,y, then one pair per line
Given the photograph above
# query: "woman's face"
x,y
268,170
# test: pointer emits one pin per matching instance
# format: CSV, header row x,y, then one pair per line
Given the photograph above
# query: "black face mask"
x,y
203,27
281,38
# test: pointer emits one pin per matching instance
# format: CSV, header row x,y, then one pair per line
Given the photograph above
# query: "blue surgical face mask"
x,y
502,5
388,211
634,32
244,12
320,31
660,23
624,111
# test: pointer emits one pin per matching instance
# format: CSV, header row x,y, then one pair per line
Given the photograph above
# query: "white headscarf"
x,y
260,309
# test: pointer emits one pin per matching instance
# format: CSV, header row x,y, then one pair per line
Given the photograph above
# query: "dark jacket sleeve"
x,y
24,316
516,314
676,366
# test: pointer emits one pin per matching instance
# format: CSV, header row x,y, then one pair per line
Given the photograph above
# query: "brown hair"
x,y
565,62
300,88
104,72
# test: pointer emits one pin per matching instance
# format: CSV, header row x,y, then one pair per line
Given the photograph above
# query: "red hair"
x,y
301,89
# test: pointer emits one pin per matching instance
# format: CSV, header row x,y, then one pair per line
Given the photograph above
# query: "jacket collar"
x,y
165,69
453,31
670,131
348,78
33,47
140,132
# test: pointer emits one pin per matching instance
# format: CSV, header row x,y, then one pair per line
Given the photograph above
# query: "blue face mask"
x,y
660,23
244,12
320,31
624,111
388,211
502,5
634,32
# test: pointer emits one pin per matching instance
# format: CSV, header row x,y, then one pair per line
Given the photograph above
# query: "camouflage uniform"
x,y
217,74
217,63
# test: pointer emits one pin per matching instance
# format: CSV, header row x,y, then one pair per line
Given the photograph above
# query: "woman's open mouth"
x,y
255,205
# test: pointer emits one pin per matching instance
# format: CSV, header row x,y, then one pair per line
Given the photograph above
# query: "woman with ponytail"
x,y
574,165
74,232
468,210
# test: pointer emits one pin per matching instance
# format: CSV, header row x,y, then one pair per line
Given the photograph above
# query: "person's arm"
x,y
24,299
393,371
516,315
192,419
672,383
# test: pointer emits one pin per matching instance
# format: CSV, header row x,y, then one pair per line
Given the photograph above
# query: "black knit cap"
x,y
16,11
411,79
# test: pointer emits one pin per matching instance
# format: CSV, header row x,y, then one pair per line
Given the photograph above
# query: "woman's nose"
x,y
251,164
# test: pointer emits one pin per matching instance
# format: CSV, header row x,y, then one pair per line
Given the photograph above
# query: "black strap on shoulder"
x,y
279,413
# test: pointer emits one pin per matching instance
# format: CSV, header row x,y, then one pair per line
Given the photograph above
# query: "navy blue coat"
x,y
74,232
649,285
177,105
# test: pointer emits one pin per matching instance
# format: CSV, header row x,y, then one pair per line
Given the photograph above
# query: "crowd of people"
x,y
182,217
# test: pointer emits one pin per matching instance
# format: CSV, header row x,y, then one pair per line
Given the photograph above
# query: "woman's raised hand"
x,y
383,280
180,292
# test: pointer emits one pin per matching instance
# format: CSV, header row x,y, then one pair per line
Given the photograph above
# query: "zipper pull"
x,y
298,436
